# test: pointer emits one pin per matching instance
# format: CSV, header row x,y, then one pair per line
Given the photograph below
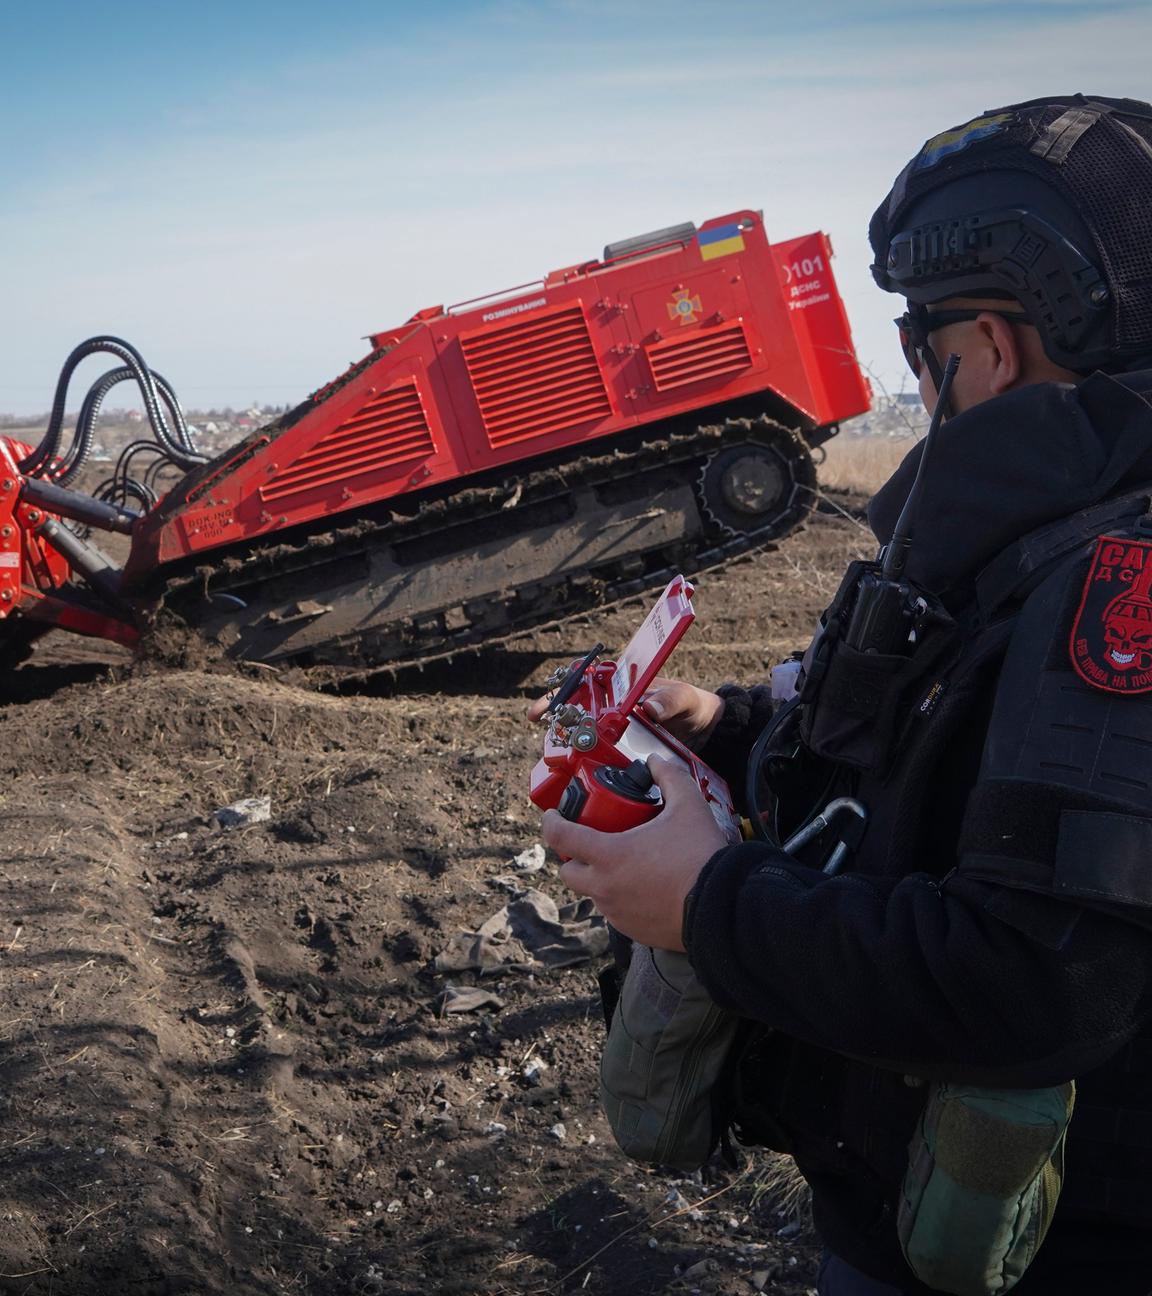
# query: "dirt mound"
x,y
230,1064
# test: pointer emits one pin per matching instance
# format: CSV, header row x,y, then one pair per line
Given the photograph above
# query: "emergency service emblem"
x,y
1111,641
684,306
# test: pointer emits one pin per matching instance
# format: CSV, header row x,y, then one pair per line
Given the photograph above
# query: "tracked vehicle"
x,y
486,467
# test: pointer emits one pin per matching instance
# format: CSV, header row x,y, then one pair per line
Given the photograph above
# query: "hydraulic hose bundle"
x,y
171,444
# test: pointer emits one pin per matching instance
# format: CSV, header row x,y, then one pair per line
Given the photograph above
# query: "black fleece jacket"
x,y
921,971
909,971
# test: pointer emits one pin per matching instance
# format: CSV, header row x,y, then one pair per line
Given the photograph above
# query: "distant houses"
x,y
213,430
901,415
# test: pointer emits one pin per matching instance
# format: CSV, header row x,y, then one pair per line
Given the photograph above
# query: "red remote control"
x,y
594,768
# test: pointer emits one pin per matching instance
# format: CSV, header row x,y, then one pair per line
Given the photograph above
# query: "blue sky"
x,y
245,190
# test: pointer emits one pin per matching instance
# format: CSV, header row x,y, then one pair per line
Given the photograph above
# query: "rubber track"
x,y
617,583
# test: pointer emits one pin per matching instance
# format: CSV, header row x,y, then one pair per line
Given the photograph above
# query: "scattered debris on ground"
x,y
292,1002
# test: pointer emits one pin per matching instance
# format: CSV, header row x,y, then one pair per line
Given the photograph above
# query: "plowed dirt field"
x,y
229,1062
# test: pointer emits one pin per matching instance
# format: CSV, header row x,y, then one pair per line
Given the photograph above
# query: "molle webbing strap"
x,y
1106,856
1068,845
1060,137
1020,821
1021,566
1012,828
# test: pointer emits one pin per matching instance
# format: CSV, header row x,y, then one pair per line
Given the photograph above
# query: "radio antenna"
x,y
895,554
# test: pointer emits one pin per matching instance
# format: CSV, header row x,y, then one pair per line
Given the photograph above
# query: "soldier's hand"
x,y
687,712
639,879
537,709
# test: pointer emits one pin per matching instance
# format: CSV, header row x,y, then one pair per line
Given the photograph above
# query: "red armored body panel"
x,y
515,457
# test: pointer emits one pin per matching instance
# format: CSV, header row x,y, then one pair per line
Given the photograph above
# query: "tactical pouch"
x,y
984,1174
854,700
665,1052
852,718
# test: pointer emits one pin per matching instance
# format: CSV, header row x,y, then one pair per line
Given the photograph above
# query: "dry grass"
x,y
862,463
778,1182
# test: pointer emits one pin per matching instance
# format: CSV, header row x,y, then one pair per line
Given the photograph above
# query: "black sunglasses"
x,y
915,326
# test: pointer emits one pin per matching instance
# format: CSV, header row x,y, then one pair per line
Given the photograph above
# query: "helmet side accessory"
x,y
1005,253
1048,202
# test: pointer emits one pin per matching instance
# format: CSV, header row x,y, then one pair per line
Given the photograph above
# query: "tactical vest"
x,y
1048,791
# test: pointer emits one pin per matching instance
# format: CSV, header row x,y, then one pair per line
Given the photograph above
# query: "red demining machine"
x,y
485,468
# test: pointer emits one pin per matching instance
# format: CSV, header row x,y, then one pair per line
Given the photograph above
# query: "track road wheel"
x,y
765,483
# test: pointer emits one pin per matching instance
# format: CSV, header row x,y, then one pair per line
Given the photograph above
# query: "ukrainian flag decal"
x,y
942,146
721,241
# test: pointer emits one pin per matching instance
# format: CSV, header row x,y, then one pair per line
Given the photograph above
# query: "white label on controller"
x,y
650,646
639,654
638,742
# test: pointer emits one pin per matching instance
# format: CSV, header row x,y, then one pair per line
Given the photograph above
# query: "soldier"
x,y
994,926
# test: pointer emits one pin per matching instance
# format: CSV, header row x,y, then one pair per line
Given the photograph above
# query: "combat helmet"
x,y
1047,203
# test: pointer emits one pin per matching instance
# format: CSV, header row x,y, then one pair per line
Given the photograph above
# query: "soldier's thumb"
x,y
670,776
568,839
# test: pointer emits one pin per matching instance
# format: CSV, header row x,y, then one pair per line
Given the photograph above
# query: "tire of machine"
x,y
765,483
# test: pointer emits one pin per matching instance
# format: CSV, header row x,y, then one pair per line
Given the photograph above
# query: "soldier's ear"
x,y
1004,356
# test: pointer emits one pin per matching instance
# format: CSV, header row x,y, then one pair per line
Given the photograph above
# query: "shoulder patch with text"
x,y
1111,642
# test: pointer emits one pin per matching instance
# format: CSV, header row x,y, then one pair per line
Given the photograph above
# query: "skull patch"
x,y
1111,642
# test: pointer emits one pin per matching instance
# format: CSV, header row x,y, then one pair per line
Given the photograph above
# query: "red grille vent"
x,y
702,354
536,376
390,429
